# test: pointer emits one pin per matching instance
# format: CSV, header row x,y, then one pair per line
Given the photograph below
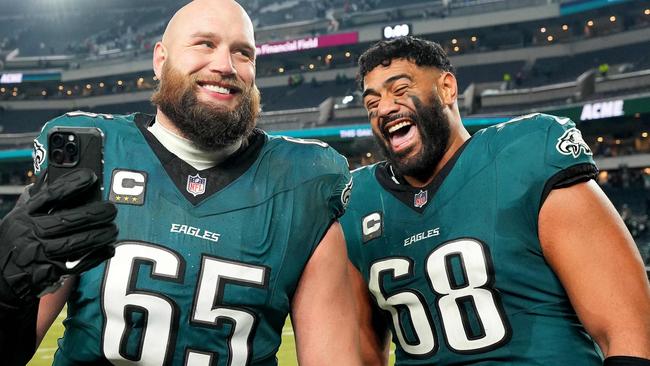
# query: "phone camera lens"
x,y
71,148
57,156
57,140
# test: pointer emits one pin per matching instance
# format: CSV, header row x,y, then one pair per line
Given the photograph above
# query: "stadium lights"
x,y
565,27
603,175
612,19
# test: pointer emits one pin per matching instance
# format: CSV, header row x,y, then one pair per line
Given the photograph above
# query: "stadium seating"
x,y
562,68
488,72
306,95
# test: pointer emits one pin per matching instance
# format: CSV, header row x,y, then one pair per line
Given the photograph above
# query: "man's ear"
x,y
447,88
159,58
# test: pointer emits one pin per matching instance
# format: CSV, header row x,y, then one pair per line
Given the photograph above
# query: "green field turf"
x,y
43,356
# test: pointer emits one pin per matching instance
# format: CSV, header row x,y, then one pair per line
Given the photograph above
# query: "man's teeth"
x,y
398,126
217,89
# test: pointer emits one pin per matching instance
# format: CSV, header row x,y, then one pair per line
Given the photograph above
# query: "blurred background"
x,y
588,60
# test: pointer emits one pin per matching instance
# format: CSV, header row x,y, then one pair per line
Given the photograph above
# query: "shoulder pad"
x,y
557,137
305,159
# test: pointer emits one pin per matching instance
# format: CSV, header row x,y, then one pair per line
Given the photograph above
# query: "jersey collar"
x,y
416,198
214,179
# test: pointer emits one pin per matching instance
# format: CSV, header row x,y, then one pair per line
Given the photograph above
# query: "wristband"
x,y
626,361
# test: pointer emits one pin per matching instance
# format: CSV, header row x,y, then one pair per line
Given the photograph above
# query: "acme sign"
x,y
613,108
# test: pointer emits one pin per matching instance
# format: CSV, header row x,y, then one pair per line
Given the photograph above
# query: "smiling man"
x,y
494,249
224,230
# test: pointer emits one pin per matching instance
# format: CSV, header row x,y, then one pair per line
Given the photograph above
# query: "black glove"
x,y
59,229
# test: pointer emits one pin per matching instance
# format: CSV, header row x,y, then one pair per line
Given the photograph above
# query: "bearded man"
x,y
224,230
498,248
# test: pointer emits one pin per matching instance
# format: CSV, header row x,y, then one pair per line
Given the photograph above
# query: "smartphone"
x,y
73,148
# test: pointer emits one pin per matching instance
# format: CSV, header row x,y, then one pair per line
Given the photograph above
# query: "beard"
x,y
433,127
209,127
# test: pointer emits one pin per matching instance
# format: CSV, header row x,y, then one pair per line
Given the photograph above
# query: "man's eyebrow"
x,y
386,82
367,92
204,35
394,78
212,35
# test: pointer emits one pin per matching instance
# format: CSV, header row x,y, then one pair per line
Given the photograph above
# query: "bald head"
x,y
219,14
214,35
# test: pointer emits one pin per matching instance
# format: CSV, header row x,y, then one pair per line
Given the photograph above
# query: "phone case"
x,y
89,145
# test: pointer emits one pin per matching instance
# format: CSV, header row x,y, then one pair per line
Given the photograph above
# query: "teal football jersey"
x,y
456,267
207,261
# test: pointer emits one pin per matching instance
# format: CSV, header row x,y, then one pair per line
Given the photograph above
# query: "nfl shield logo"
x,y
420,199
195,184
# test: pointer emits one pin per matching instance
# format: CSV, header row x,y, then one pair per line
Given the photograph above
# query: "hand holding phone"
x,y
55,230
